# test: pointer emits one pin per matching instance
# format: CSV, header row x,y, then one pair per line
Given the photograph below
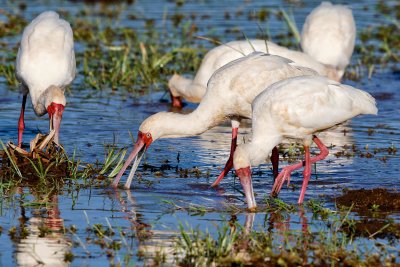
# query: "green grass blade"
x,y
292,25
14,165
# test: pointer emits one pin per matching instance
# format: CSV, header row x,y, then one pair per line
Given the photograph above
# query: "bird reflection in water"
x,y
149,242
281,230
45,244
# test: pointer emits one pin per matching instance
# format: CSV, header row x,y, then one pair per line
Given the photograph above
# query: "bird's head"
x,y
149,131
159,125
174,83
55,112
241,163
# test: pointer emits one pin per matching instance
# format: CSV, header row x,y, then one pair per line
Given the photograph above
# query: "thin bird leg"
x,y
285,173
21,123
176,101
306,174
229,163
275,161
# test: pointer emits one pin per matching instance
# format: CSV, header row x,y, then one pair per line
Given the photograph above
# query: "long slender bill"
x,y
55,112
139,146
244,175
138,158
56,118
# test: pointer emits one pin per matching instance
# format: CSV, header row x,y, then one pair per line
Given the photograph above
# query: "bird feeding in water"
x,y
296,108
327,39
229,95
45,66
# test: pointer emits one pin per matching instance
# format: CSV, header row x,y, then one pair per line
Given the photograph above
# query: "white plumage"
x,y
230,92
297,108
45,65
329,34
194,90
50,249
327,40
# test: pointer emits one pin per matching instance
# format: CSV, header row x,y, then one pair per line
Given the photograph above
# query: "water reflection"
x,y
45,243
279,225
150,242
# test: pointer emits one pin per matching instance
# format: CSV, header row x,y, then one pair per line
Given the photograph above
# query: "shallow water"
x,y
93,119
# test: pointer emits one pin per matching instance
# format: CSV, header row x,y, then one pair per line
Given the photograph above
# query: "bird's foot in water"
x,y
282,177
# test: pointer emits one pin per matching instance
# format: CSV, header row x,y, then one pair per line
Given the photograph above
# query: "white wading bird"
x,y
328,36
296,108
230,92
330,26
45,65
327,39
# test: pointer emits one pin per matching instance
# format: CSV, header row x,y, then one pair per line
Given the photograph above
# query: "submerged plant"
x,y
40,169
201,249
113,159
12,160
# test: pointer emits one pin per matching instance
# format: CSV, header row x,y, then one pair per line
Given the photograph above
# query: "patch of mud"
x,y
375,228
367,200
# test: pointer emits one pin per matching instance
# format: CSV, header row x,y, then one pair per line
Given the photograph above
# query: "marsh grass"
x,y
113,160
115,57
59,172
11,160
13,25
291,24
8,72
234,245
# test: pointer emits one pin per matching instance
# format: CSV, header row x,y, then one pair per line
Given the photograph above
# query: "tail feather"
x,y
366,103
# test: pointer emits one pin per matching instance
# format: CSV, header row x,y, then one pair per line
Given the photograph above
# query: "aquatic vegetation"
x,y
113,159
13,25
134,54
122,58
238,245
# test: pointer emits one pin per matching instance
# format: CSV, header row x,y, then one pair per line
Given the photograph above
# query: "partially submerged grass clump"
x,y
375,206
236,246
44,164
47,167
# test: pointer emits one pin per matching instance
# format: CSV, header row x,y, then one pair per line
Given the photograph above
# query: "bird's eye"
x,y
148,135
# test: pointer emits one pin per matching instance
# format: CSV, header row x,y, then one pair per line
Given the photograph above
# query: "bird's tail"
x,y
365,102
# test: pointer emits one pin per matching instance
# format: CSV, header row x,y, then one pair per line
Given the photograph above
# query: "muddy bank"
x,y
364,200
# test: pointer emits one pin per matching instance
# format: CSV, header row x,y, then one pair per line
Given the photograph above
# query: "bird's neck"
x,y
187,88
168,125
259,150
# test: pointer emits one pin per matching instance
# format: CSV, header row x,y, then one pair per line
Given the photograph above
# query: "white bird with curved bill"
x,y
194,90
296,108
45,66
327,40
230,92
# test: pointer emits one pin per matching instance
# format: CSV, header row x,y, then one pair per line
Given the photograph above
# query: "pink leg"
x,y
229,163
176,101
306,173
275,161
285,173
21,123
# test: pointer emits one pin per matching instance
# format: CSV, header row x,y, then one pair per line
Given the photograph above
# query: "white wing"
x,y
46,54
329,34
302,105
